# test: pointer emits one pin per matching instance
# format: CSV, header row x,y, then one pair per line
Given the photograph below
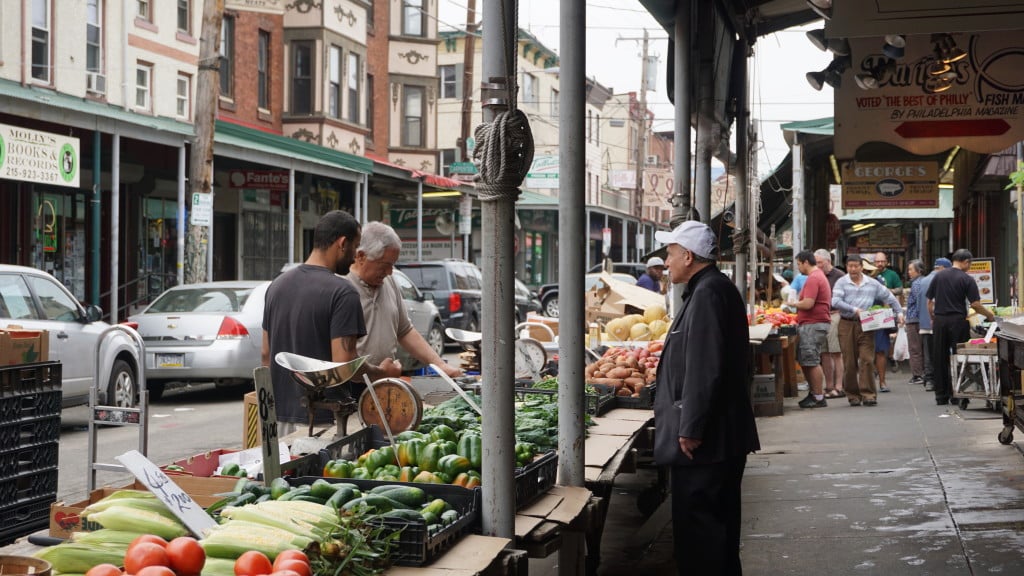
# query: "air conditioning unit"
x,y
652,159
95,83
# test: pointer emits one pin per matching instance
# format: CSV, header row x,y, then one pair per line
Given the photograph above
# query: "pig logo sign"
x,y
889,188
890,185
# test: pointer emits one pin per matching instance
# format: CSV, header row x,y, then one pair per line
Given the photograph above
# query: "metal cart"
x,y
975,375
1011,378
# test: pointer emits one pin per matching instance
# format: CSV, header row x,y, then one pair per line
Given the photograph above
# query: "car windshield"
x,y
427,277
201,300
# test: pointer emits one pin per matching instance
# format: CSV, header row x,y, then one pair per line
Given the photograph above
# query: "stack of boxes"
x,y
30,408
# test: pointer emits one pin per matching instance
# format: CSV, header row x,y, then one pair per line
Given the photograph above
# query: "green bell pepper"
x,y
338,469
361,473
429,456
471,447
448,446
391,470
442,432
525,451
409,451
453,465
380,457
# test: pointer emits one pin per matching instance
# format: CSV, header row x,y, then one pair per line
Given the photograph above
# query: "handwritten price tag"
x,y
268,424
177,500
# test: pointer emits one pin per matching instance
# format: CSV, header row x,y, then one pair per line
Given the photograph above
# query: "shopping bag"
x,y
901,350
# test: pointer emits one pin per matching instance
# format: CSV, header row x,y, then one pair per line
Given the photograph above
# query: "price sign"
x,y
268,424
177,500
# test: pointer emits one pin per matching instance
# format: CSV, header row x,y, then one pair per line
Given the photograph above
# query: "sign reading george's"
x,y
890,185
945,90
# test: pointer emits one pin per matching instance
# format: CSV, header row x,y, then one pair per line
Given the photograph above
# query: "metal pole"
x,y
798,194
357,200
500,40
115,222
742,172
291,215
754,191
1020,225
681,90
366,198
97,204
209,229
419,220
179,224
705,113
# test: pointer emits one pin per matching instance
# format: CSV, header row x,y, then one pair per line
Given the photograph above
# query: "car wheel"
x,y
156,390
551,307
436,338
121,389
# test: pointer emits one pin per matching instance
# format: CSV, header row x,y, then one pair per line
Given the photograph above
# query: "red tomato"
x,y
143,554
149,538
302,568
285,573
104,570
292,555
155,571
186,555
253,563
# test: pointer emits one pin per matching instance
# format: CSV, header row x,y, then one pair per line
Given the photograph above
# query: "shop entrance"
x,y
58,237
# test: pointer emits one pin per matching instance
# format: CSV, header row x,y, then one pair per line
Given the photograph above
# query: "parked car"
x,y
454,286
636,269
526,301
34,300
425,318
210,332
548,293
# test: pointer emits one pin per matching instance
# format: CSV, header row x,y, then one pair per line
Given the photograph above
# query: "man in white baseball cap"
x,y
652,279
704,423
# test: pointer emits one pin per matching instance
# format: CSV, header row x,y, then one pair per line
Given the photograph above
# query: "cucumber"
x,y
436,506
379,503
341,496
409,495
449,517
279,487
410,515
297,491
322,489
309,498
245,498
429,517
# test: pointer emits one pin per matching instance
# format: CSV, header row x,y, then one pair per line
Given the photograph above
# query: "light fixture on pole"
x,y
872,79
838,46
946,50
895,46
832,75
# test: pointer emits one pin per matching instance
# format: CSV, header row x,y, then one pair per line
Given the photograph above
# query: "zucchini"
x,y
411,496
309,498
341,496
410,515
243,499
297,491
379,503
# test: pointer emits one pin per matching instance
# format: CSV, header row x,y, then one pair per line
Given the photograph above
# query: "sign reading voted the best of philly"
x,y
41,157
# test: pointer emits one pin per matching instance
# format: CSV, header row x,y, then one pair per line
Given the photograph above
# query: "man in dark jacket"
x,y
704,423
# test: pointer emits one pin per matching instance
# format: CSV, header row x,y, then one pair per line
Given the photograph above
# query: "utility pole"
x,y
641,143
469,45
201,164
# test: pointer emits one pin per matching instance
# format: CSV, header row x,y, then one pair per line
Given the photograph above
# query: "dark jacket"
x,y
703,385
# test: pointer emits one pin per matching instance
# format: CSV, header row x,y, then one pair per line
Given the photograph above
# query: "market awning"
x,y
943,212
229,134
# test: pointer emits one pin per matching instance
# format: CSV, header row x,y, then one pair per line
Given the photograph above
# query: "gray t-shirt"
x,y
306,308
385,315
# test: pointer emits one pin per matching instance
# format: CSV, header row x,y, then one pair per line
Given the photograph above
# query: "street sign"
x,y
461,168
202,209
470,144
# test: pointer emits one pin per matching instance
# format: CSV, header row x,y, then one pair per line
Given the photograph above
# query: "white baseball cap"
x,y
692,235
655,261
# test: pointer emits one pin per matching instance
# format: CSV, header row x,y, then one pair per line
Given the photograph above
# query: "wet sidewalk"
x,y
906,487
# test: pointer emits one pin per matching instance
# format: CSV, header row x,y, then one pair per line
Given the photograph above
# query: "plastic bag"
x,y
901,350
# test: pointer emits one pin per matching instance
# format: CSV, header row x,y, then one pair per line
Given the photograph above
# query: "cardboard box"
x,y
613,298
877,319
23,346
538,333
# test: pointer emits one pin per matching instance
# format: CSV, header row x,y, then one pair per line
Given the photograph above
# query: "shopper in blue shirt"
x,y
652,279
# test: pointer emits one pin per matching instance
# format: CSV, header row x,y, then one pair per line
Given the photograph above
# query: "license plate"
x,y
170,360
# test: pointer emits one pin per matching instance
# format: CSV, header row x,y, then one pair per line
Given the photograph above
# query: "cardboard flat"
x,y
607,427
617,298
600,449
574,501
592,473
525,524
629,414
472,552
543,506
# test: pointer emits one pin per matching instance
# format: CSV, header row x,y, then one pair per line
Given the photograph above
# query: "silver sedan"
x,y
208,332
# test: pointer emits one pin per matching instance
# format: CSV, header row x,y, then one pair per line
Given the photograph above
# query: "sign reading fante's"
x,y
890,185
42,157
258,179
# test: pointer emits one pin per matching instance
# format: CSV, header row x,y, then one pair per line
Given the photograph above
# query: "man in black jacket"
x,y
704,423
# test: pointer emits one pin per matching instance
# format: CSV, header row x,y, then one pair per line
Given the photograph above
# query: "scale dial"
x,y
402,405
531,357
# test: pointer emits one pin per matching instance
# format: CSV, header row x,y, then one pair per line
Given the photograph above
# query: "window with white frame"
x,y
554,103
143,10
94,35
143,86
529,88
413,18
185,16
41,40
412,116
449,82
184,96
334,83
263,71
227,56
353,87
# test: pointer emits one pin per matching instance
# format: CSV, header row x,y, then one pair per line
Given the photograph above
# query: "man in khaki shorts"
x,y
831,356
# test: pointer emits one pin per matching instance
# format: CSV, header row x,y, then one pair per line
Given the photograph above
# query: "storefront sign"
x,y
466,214
258,179
543,173
433,249
622,179
947,90
983,270
890,185
202,209
265,6
41,157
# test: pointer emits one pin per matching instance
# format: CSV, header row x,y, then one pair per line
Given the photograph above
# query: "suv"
x,y
34,300
454,285
636,269
424,317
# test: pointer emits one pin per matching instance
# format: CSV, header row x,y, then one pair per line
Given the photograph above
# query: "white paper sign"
x,y
177,500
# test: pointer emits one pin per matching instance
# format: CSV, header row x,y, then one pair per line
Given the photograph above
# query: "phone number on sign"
x,y
30,174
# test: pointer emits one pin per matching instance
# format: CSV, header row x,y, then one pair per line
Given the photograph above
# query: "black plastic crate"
x,y
596,404
21,379
415,546
17,407
645,401
29,431
25,517
536,478
28,485
35,458
306,465
352,446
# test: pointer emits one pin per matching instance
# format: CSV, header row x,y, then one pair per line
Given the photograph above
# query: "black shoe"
x,y
916,380
942,401
870,402
854,402
810,402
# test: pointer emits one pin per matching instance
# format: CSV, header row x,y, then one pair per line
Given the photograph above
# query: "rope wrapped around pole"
x,y
503,155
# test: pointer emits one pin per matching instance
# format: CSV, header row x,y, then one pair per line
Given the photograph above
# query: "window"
x,y
15,300
227,56
263,71
334,83
590,125
185,16
412,17
302,77
597,130
369,106
57,305
353,87
529,88
369,17
554,103
143,10
93,36
448,81
143,79
448,156
41,40
412,113
184,96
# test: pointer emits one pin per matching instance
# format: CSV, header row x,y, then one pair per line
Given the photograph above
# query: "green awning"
x,y
240,136
820,126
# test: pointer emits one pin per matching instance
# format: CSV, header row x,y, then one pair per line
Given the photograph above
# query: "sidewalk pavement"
x,y
906,487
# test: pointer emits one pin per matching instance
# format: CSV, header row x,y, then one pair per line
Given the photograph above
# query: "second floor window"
x,y
185,16
554,103
353,87
529,88
369,106
142,10
334,84
184,96
93,36
302,78
449,81
263,71
41,40
412,18
412,116
227,57
143,85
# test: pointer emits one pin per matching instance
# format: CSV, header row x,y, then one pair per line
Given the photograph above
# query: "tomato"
x,y
302,568
149,538
143,554
186,555
104,570
285,573
253,563
155,571
292,555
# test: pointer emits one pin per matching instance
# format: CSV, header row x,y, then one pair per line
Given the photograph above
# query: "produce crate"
x,y
415,546
536,478
22,379
24,517
27,459
645,401
29,431
28,485
352,446
14,408
596,404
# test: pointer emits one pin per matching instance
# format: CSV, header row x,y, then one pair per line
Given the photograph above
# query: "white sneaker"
x,y
801,387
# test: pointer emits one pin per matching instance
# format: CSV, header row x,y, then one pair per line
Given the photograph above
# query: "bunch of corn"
x,y
79,557
270,527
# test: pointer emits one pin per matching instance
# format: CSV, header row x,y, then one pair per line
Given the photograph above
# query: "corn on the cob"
x,y
322,518
237,527
106,537
218,567
139,521
129,493
259,516
151,504
233,544
320,510
79,558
